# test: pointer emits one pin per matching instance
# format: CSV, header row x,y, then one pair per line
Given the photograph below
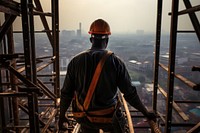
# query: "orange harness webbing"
x,y
89,95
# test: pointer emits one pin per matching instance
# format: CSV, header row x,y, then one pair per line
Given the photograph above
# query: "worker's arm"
x,y
67,93
135,101
130,92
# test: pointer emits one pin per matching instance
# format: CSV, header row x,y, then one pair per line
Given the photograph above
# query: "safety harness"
x,y
97,116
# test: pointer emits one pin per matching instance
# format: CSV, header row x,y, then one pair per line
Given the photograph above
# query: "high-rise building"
x,y
79,30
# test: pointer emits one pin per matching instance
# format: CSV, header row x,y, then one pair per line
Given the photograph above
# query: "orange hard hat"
x,y
100,26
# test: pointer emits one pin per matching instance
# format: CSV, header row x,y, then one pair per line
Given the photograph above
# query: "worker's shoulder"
x,y
117,59
80,54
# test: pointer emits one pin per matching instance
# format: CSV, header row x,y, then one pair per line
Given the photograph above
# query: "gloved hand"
x,y
61,121
151,116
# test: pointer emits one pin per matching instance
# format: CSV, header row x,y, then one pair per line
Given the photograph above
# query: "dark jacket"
x,y
114,75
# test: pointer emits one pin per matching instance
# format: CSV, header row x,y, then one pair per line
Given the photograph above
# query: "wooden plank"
x,y
175,106
195,129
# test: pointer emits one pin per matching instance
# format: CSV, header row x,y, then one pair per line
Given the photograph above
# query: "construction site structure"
x,y
29,93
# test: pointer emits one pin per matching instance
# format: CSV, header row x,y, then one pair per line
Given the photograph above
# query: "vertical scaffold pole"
x,y
171,66
55,33
157,53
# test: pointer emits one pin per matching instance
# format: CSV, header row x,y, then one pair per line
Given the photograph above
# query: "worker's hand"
x,y
151,116
61,121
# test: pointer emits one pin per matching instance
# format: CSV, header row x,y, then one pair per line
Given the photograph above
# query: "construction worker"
x,y
100,108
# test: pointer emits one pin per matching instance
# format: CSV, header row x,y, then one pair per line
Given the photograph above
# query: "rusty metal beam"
x,y
43,114
21,69
30,79
33,119
76,128
2,124
42,13
193,18
171,65
10,7
6,26
13,79
55,42
44,21
54,112
46,90
157,53
13,94
26,39
44,66
25,108
21,77
190,10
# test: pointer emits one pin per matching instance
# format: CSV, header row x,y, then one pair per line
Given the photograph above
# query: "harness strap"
x,y
95,80
99,119
93,119
102,111
89,95
96,113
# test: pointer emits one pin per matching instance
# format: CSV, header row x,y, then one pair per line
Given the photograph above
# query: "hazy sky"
x,y
124,16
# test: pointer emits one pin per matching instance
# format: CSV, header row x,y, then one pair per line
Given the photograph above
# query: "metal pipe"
x,y
157,53
2,115
13,79
54,112
13,94
32,41
32,118
190,10
26,39
193,18
44,66
130,124
44,21
76,128
171,65
55,34
46,90
6,26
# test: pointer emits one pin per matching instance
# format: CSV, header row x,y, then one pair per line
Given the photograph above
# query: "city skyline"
x,y
123,16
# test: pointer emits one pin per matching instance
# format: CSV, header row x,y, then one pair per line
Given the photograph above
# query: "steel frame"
x,y
28,85
171,104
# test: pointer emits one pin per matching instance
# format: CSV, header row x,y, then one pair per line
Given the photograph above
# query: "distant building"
x,y
195,112
136,83
64,61
68,33
79,31
140,66
164,59
194,59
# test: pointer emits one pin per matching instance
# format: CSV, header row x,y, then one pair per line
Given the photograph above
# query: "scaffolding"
x,y
28,102
168,92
